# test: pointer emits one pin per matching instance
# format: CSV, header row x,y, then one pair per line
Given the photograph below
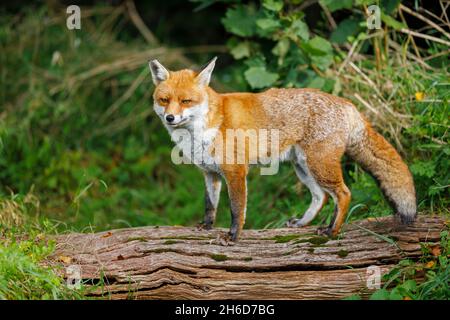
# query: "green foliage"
x,y
400,282
259,77
333,5
429,134
276,37
23,278
22,252
346,28
273,43
240,21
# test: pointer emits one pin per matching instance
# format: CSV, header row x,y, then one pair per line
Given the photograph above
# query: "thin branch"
x,y
444,10
424,36
421,17
330,18
348,57
437,55
136,83
140,25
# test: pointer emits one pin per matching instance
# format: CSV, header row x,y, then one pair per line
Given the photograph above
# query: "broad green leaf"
x,y
240,20
268,24
346,28
241,50
320,52
298,29
410,285
317,83
381,294
259,77
281,48
255,61
391,22
334,5
395,294
319,46
273,5
322,62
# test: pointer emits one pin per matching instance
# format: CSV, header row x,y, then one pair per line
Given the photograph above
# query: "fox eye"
x,y
164,100
186,101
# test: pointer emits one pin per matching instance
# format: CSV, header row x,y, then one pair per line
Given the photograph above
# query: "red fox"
x,y
314,129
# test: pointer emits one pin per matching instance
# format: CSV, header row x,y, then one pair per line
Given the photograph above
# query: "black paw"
x,y
325,231
204,226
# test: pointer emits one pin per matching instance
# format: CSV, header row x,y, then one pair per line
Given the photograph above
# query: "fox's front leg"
x,y
213,184
237,192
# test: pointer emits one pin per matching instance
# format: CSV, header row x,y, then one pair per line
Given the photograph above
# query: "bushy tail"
x,y
380,159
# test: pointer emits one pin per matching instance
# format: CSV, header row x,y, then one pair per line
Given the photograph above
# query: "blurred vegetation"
x,y
81,146
400,283
23,250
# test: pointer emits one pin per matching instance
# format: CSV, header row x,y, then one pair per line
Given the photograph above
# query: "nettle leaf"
x,y
346,28
320,52
240,20
334,5
273,5
318,46
298,29
259,77
267,25
391,22
241,50
281,48
256,61
381,294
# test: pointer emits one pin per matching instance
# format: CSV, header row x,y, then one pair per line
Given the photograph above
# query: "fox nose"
x,y
170,118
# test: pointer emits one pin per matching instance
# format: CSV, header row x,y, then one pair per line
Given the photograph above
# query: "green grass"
x,y
23,273
400,283
23,278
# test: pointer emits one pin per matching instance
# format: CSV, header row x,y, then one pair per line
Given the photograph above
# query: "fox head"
x,y
180,97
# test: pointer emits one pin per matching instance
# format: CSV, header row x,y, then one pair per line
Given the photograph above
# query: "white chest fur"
x,y
194,139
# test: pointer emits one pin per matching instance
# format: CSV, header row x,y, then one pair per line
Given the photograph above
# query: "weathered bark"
x,y
183,262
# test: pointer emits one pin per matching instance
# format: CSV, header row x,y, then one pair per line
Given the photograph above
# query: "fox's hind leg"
x,y
318,196
324,162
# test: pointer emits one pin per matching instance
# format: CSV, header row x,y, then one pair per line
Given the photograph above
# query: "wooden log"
x,y
186,263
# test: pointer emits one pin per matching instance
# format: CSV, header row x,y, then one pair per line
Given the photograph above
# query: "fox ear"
x,y
159,73
204,76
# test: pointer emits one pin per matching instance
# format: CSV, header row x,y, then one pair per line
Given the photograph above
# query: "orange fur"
x,y
316,125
